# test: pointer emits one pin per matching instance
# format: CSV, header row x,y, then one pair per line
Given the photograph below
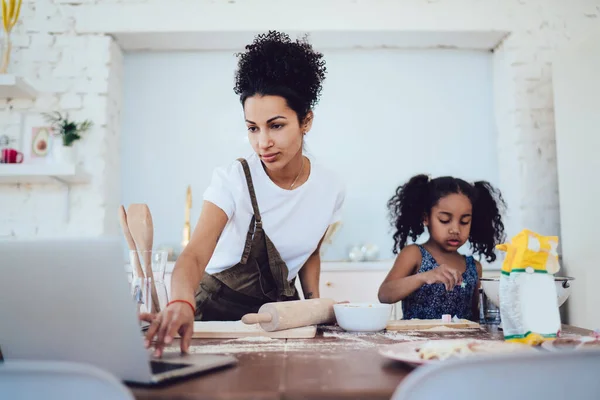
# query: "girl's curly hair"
x,y
414,200
273,64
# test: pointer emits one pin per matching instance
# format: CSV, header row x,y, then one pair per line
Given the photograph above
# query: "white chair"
x,y
548,376
58,380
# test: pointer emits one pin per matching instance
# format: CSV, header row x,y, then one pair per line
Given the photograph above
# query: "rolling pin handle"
x,y
250,319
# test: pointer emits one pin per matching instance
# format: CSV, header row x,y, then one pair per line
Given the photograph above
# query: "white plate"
x,y
407,352
550,345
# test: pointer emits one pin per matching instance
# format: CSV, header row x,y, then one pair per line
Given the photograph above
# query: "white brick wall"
x,y
81,73
112,182
524,107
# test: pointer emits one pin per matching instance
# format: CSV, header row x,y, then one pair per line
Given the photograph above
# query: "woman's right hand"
x,y
443,274
175,318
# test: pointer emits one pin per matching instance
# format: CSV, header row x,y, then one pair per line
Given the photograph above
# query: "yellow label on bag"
x,y
530,252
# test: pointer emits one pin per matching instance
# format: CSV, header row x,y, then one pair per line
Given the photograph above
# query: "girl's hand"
x,y
176,318
443,274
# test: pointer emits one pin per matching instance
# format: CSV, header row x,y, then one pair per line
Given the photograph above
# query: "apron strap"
x,y
256,221
251,190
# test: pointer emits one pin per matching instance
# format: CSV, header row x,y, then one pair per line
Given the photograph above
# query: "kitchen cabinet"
x,y
357,282
354,286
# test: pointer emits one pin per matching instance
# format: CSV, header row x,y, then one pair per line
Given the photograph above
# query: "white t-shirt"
x,y
295,220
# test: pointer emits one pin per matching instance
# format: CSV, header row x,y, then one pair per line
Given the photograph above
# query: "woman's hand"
x,y
443,274
174,319
178,317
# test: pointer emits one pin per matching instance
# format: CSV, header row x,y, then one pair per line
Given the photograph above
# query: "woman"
x,y
263,219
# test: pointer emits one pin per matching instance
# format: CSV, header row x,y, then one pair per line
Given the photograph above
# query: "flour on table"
x,y
360,336
402,337
234,346
253,339
448,329
226,326
336,340
353,336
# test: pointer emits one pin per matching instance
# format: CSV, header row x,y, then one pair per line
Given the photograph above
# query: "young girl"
x,y
433,279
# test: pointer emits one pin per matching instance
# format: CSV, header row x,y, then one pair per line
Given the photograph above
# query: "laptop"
x,y
69,300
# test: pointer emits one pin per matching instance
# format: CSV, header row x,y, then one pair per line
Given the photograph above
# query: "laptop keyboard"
x,y
159,367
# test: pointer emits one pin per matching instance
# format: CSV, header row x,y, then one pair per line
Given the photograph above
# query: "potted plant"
x,y
69,132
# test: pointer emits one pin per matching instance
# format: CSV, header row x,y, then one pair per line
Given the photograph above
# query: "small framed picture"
x,y
38,138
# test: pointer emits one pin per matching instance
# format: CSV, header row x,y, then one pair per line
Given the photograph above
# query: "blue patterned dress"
x,y
433,301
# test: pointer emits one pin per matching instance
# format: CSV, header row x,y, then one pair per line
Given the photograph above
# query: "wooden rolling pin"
x,y
292,314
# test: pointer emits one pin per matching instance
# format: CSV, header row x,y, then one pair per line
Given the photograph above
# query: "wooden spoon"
x,y
141,227
130,242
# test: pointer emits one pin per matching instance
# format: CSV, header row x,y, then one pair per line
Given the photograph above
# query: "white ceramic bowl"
x,y
491,288
362,317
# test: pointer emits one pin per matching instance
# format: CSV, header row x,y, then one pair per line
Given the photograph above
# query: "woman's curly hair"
x,y
273,64
414,200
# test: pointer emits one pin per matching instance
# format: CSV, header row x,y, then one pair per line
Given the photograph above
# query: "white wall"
x,y
180,120
577,91
384,115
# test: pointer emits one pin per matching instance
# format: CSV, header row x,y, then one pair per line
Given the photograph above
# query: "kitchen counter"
x,y
346,281
350,266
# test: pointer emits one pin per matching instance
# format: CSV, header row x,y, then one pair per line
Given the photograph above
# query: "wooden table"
x,y
334,365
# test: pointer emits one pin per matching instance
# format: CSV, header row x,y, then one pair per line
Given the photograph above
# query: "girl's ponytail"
x,y
487,229
407,209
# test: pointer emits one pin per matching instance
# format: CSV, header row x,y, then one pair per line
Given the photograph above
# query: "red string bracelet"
x,y
183,301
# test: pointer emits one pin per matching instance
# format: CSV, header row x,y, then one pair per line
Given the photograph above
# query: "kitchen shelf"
x,y
42,173
14,87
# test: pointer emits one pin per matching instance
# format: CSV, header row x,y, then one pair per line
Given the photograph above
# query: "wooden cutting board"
x,y
237,329
422,324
